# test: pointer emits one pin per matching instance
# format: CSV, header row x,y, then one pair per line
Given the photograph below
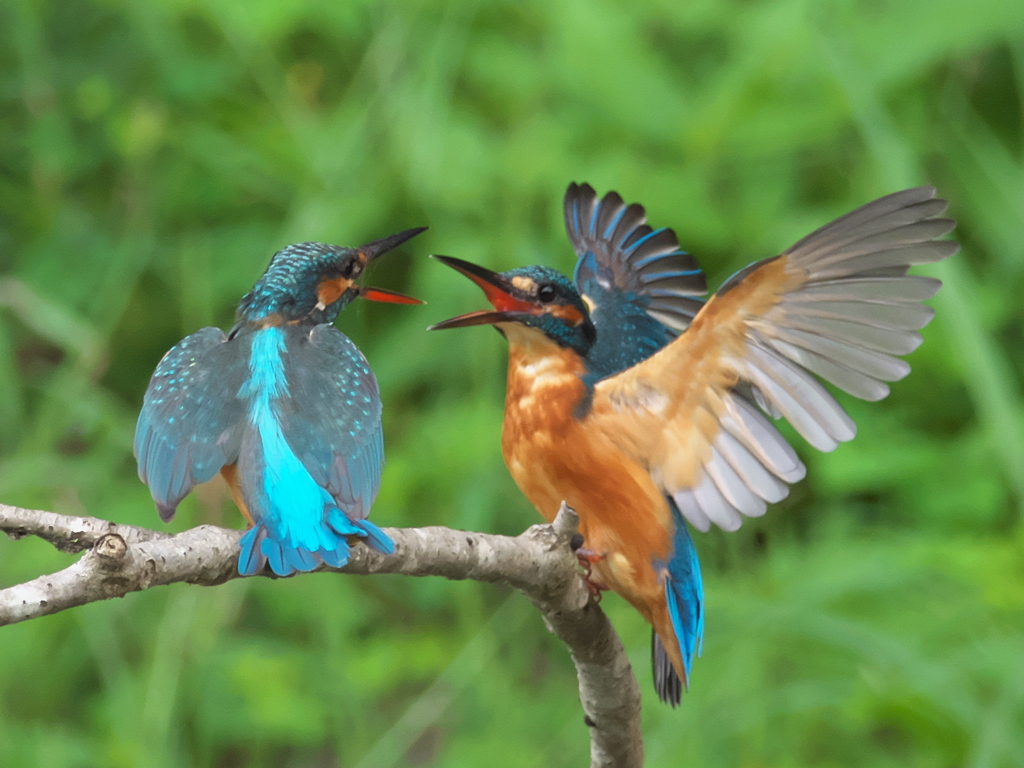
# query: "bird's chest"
x,y
539,429
555,457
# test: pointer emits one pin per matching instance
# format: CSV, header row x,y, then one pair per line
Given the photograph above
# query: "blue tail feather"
x,y
274,556
684,592
250,559
257,547
300,558
376,538
335,558
341,524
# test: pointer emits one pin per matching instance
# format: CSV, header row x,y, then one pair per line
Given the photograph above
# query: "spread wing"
x,y
191,420
332,418
838,304
641,288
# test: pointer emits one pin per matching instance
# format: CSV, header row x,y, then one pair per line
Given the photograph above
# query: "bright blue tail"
x,y
684,591
258,548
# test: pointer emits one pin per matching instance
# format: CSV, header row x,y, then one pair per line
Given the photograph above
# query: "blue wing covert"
x,y
191,420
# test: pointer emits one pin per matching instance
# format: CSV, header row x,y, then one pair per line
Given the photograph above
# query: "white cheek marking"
x,y
523,283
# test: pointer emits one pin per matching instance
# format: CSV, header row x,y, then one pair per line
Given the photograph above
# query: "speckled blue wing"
x,y
191,420
641,288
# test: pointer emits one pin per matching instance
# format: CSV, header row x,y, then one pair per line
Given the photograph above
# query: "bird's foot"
x,y
587,558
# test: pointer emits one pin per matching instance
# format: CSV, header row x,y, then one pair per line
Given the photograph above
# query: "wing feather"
x,y
642,289
837,305
191,420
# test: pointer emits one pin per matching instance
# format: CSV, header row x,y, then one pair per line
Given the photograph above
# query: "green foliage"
x,y
153,156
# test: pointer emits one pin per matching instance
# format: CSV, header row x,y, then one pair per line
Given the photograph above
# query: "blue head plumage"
x,y
564,317
307,283
310,283
535,296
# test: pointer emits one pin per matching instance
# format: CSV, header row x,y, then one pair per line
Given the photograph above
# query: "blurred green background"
x,y
154,155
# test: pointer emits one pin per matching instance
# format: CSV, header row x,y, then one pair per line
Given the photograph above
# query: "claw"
x,y
587,558
594,589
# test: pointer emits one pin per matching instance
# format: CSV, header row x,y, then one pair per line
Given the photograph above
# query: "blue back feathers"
x,y
308,436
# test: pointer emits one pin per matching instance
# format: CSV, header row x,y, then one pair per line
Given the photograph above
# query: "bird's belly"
x,y
624,518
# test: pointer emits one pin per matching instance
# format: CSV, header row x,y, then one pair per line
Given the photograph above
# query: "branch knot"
x,y
111,551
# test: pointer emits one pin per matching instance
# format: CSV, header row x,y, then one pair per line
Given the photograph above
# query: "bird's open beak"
x,y
497,290
331,290
372,251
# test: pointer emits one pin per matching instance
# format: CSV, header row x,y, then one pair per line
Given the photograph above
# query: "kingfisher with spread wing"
x,y
284,406
647,409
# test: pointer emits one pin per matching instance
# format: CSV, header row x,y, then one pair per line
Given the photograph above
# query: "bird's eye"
x,y
349,269
546,293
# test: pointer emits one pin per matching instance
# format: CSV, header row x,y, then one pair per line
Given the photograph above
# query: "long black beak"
x,y
385,244
498,290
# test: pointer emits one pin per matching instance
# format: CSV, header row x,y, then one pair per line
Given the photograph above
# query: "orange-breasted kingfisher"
x,y
646,408
284,406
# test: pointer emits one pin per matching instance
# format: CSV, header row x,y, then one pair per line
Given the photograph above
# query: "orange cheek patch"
x,y
329,291
568,313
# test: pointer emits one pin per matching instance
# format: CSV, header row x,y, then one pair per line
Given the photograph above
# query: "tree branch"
x,y
539,562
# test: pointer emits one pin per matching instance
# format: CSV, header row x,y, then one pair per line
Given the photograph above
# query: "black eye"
x,y
349,269
546,293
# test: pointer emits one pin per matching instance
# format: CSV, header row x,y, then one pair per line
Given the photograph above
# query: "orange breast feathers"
x,y
552,456
230,474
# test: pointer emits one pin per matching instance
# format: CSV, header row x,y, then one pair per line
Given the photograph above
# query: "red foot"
x,y
587,558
